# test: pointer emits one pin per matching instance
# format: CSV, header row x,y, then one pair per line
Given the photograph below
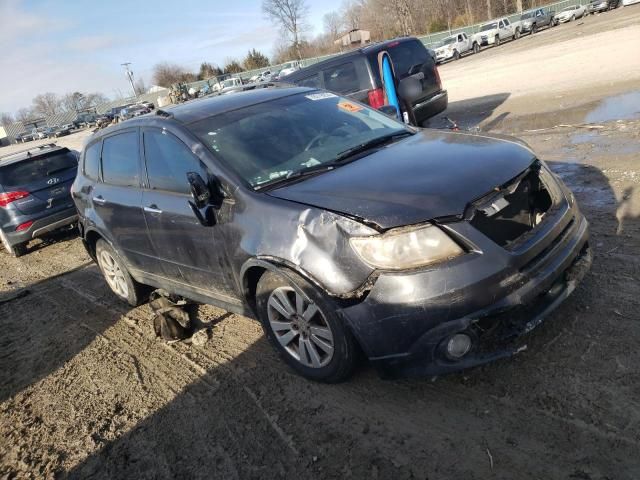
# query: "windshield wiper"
x,y
363,147
294,176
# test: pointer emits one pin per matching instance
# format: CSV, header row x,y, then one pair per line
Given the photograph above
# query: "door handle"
x,y
152,209
99,200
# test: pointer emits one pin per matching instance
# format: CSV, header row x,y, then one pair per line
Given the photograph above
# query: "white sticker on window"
x,y
320,96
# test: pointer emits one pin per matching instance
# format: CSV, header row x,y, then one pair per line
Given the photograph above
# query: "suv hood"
x,y
428,175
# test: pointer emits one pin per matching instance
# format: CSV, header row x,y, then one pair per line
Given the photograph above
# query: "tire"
x,y
293,325
496,41
516,35
534,29
476,48
117,276
456,55
13,250
573,18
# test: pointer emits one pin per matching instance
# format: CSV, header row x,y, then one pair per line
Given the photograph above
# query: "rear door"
x,y
116,199
189,252
349,78
46,178
410,57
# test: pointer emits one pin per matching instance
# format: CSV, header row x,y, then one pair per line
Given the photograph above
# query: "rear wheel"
x,y
13,250
305,329
117,276
516,35
476,48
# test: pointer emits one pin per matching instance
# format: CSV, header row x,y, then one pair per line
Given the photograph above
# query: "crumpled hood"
x,y
429,175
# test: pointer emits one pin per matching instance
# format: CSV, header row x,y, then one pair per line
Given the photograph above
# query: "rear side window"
x,y
92,161
341,78
312,81
120,160
168,161
36,169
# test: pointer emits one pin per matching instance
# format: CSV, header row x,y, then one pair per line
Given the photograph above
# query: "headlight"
x,y
401,250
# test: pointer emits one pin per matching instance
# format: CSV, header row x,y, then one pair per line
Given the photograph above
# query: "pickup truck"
x,y
454,46
533,20
497,31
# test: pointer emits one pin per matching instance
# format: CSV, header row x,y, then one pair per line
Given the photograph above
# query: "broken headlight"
x,y
404,249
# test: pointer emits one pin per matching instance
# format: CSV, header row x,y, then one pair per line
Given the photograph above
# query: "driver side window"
x,y
168,160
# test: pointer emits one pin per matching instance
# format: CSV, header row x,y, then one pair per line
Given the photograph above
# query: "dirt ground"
x,y
87,391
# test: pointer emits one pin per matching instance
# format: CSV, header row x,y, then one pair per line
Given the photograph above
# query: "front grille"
x,y
517,208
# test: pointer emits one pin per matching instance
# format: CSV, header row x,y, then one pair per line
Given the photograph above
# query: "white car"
x,y
493,33
289,68
571,13
454,46
626,3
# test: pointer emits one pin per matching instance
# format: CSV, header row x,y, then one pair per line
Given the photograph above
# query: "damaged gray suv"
x,y
343,231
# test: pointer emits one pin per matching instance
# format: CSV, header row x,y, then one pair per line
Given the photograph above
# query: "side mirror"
x,y
389,110
204,199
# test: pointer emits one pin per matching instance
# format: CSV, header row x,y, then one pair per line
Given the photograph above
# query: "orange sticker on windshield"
x,y
349,107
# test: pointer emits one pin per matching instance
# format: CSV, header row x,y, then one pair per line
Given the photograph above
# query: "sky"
x,y
79,45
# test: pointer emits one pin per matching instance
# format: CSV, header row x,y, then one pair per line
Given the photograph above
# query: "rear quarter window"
x,y
407,57
92,161
312,81
341,78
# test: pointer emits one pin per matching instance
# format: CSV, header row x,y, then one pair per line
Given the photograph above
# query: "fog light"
x,y
458,345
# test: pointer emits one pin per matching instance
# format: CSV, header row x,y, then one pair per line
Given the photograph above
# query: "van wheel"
x,y
117,276
306,332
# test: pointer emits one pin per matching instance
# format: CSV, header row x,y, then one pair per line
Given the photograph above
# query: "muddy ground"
x,y
87,391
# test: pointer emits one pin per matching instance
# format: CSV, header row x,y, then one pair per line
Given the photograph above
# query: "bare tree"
x,y
47,104
77,101
289,15
353,11
332,24
166,74
6,119
489,14
25,114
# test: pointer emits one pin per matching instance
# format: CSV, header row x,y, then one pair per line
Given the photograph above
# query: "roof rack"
x,y
37,149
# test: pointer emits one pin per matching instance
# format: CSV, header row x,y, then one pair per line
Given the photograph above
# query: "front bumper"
x,y
405,319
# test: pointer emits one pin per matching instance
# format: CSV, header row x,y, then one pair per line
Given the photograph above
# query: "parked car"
x,y
265,76
133,111
24,137
85,120
569,14
61,131
34,194
39,133
289,67
147,104
356,75
535,19
629,2
495,32
454,46
337,227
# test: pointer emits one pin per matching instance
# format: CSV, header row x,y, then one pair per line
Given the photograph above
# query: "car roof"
x,y
206,107
32,152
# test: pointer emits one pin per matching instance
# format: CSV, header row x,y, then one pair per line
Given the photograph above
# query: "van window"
x,y
92,161
312,81
168,161
120,160
341,78
406,55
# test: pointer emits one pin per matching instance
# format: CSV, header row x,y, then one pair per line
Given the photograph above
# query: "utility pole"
x,y
130,77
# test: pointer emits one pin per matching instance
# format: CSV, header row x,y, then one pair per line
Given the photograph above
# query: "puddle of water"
x,y
603,143
620,107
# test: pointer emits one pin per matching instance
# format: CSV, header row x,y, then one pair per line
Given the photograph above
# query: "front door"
x,y
189,252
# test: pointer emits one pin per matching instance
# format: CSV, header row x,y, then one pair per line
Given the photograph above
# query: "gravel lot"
x,y
87,391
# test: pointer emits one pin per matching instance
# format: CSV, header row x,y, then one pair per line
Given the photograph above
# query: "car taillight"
x,y
9,197
376,98
437,76
24,226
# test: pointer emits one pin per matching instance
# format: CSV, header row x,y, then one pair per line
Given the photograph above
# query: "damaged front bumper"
x,y
406,320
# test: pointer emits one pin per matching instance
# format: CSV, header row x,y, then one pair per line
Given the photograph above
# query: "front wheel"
x,y
534,28
476,48
305,329
117,276
573,17
456,55
496,41
517,34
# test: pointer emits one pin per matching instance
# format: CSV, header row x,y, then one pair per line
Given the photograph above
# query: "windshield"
x,y
527,15
274,140
448,40
568,9
489,26
25,172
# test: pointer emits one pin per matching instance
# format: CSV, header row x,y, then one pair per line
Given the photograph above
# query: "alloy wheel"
x,y
300,327
113,274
